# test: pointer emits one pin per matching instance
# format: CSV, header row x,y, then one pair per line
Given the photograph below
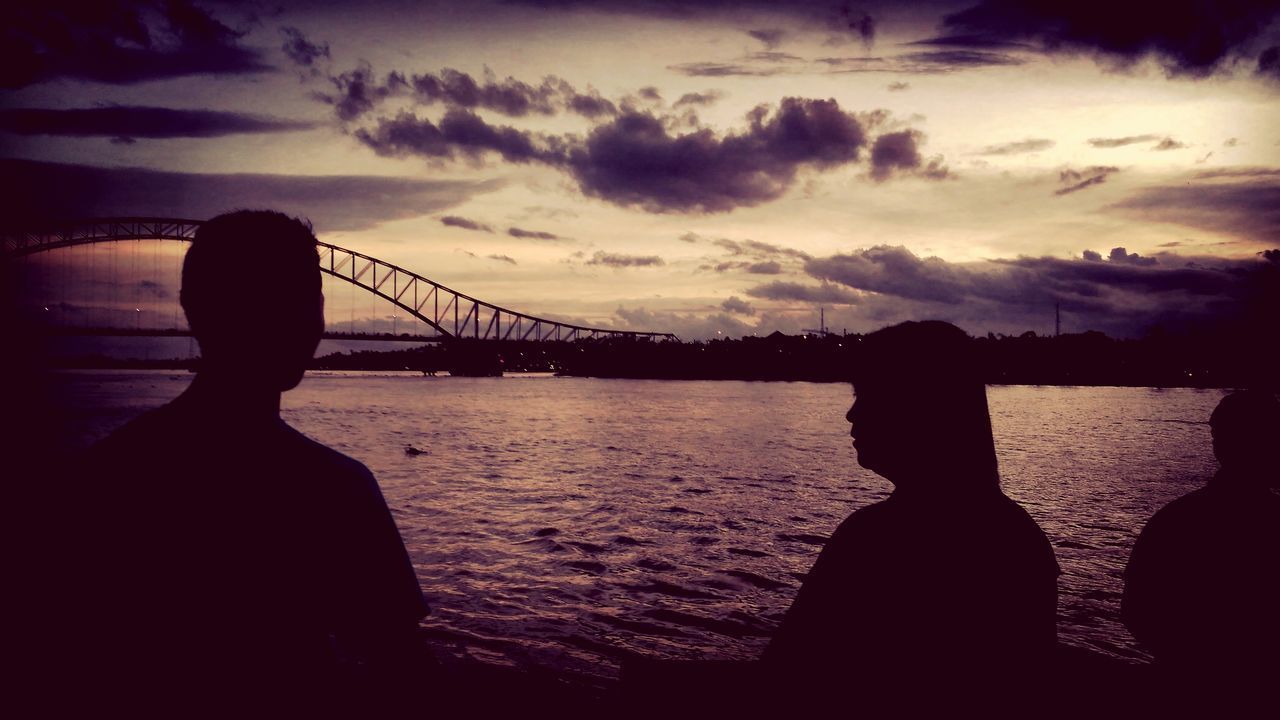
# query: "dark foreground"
x,y
1079,683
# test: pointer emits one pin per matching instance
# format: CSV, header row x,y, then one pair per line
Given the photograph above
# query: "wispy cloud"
x,y
620,260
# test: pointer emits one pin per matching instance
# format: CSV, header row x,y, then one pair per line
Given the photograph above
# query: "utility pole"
x,y
1057,319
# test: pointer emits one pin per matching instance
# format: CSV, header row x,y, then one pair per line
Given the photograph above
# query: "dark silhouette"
x,y
947,585
222,556
1202,589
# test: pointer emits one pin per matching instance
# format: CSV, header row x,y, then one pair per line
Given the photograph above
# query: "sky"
x,y
705,168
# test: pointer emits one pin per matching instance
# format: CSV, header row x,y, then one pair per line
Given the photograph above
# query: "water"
x,y
567,523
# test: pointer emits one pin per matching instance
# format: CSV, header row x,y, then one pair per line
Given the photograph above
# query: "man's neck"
x,y
233,398
1240,481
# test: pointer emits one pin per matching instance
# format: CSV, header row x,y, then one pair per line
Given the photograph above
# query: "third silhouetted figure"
x,y
1202,589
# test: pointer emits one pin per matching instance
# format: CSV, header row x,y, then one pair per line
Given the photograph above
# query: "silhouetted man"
x,y
1202,589
947,586
226,557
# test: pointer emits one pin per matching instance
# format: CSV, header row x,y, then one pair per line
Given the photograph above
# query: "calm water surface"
x,y
567,523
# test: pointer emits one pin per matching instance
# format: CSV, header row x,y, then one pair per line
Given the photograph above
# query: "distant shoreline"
x,y
1088,359
184,366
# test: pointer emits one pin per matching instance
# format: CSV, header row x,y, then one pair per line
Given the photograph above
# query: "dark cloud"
x,y
898,86
358,92
590,105
754,248
129,122
532,234
302,51
1077,180
723,69
843,19
1169,144
899,152
934,62
774,57
892,271
688,326
973,42
618,260
824,293
634,160
1018,147
1243,204
737,306
1120,255
650,93
503,258
39,192
510,96
1122,141
865,25
465,223
1187,37
1123,294
118,42
460,132
1269,63
771,37
766,267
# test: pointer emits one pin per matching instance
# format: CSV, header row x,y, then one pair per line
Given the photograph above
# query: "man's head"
x,y
1246,435
920,410
251,292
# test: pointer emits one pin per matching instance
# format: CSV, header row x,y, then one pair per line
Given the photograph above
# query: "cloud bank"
x,y
41,192
119,42
128,122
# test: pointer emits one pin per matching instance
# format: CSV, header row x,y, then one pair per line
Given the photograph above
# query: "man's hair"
x,y
1246,414
923,354
929,370
247,260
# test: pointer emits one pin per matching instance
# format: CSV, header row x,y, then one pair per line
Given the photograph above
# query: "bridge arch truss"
x,y
452,314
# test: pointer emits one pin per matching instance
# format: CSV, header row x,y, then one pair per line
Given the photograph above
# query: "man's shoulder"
x,y
1018,516
1181,510
869,519
332,463
154,426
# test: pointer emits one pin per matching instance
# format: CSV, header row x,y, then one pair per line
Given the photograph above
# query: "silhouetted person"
x,y
947,586
223,557
1202,589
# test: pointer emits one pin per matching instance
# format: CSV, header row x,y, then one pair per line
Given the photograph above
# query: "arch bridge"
x,y
452,314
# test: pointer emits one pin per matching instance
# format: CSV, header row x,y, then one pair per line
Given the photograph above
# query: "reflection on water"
x,y
567,522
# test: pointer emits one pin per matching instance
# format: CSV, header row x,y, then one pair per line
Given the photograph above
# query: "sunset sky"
x,y
695,167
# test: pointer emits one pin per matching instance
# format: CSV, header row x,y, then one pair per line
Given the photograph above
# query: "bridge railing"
x,y
88,231
448,312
